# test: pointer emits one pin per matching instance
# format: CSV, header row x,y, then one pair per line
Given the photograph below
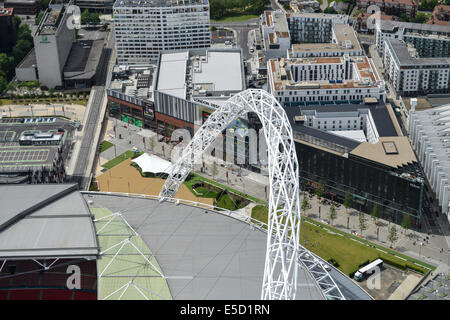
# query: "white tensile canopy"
x,y
153,164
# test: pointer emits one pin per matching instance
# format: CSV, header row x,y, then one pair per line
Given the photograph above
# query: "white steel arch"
x,y
280,272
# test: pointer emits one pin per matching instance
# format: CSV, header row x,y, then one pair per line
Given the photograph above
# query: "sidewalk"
x,y
408,242
257,185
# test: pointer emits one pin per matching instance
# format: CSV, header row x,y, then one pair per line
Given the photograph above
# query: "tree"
x,y
392,236
362,222
45,4
347,201
3,82
21,49
7,65
305,203
375,213
420,17
404,17
332,215
39,17
330,10
406,223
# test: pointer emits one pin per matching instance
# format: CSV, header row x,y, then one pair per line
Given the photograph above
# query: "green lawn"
x,y
329,243
200,191
201,178
124,156
105,145
244,17
226,202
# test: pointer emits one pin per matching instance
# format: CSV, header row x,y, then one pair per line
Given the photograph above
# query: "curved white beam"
x,y
280,272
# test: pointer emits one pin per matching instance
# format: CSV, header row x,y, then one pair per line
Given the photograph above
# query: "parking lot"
x,y
16,158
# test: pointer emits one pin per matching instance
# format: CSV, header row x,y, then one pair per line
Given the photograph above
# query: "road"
x,y
84,163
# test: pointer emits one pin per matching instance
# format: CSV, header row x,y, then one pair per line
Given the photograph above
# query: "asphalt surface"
x,y
80,175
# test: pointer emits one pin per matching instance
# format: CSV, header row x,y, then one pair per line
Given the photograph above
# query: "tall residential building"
x,y
143,28
429,40
313,27
324,80
410,74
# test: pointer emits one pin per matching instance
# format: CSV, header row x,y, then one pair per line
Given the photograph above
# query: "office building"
x,y
143,28
359,149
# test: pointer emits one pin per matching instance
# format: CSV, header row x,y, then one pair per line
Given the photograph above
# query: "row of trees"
x,y
332,214
226,8
8,62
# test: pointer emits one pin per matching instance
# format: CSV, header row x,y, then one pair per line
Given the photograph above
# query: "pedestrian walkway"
x,y
430,248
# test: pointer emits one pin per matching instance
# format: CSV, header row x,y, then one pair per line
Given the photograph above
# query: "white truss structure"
x,y
281,264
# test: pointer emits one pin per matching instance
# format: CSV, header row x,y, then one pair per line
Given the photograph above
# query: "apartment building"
x,y
391,7
344,42
365,22
410,74
429,40
441,15
325,80
313,27
143,28
275,35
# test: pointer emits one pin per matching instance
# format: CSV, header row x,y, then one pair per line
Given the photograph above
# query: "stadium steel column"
x,y
281,264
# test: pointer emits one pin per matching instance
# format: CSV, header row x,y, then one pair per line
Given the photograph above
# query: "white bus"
x,y
368,269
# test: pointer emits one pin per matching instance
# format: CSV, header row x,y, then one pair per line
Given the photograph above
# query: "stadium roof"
x,y
203,254
47,220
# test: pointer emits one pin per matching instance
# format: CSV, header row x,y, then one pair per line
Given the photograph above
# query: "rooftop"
x,y
394,26
200,73
346,36
405,56
203,254
6,12
83,59
51,20
52,220
391,151
158,3
133,81
364,77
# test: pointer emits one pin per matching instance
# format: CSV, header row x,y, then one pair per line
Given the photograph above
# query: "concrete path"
x,y
324,5
405,288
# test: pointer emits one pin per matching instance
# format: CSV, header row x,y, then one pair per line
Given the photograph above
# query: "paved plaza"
x,y
429,247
